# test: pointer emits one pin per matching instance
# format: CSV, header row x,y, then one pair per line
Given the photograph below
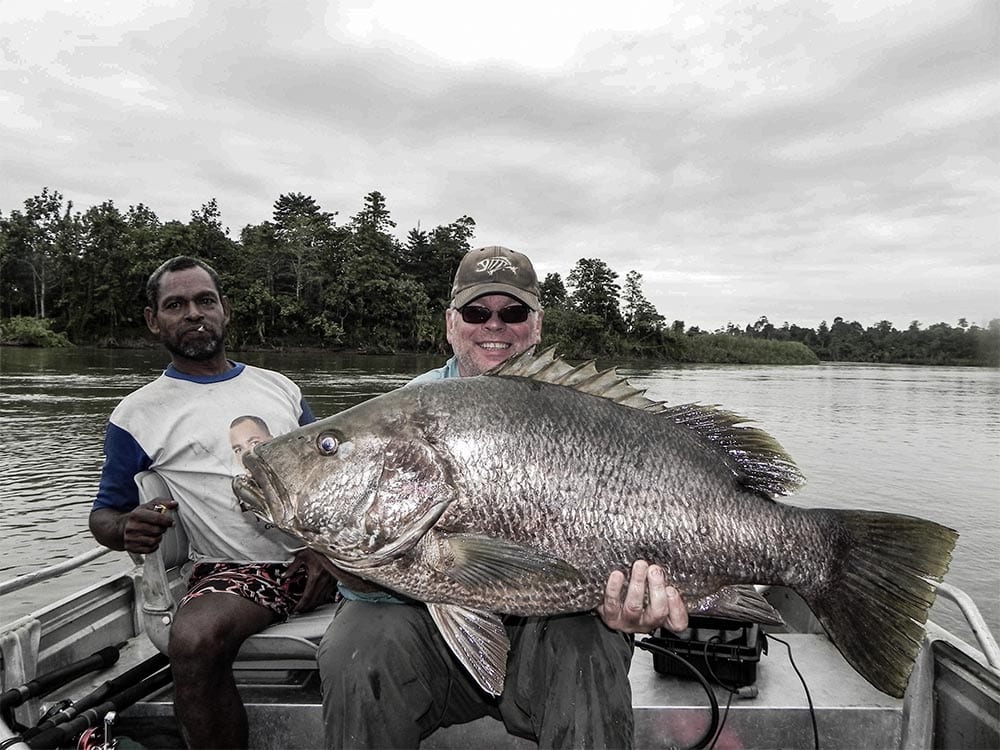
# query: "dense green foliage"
x,y
22,331
303,279
938,344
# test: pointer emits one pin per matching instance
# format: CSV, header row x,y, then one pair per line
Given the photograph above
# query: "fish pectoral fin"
x,y
741,602
476,561
478,640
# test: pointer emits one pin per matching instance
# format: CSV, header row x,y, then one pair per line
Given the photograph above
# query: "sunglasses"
x,y
477,314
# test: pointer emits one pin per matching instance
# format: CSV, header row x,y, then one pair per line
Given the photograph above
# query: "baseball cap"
x,y
495,270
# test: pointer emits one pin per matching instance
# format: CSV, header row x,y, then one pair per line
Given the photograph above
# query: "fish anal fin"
x,y
740,602
478,640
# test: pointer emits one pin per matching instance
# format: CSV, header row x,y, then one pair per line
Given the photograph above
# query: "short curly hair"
x,y
178,263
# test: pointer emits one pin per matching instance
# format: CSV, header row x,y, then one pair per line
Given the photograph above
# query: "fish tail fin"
x,y
875,604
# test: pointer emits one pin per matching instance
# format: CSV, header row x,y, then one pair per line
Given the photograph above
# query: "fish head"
x,y
308,482
267,490
361,486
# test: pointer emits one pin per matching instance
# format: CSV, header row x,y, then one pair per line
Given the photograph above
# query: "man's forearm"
x,y
108,527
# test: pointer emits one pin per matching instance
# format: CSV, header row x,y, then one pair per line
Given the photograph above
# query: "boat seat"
x,y
163,583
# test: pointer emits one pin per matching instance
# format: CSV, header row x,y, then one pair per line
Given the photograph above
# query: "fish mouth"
x,y
250,496
260,491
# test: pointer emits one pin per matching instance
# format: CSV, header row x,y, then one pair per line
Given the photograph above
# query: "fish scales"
x,y
612,494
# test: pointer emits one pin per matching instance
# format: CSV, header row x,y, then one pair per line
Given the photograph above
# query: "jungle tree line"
x,y
303,278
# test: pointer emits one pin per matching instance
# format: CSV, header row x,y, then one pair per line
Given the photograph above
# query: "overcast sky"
x,y
800,160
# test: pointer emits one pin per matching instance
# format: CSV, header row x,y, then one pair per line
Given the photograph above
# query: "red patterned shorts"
x,y
261,583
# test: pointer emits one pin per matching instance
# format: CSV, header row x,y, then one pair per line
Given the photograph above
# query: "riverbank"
x,y
732,347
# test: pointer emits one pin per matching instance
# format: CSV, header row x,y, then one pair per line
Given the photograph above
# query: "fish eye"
x,y
327,444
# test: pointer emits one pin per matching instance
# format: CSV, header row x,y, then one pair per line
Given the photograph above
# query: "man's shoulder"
x,y
146,399
262,373
448,370
146,391
435,374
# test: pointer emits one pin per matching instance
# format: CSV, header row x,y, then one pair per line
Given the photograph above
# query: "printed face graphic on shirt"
x,y
244,433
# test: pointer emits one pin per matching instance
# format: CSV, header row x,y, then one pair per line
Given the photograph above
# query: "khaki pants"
x,y
389,680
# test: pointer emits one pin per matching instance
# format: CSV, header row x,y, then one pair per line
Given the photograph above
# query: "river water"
x,y
917,440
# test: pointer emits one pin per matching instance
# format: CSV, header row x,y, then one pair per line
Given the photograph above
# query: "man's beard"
x,y
198,351
468,367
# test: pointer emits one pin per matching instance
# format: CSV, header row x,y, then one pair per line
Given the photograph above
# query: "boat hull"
x,y
953,696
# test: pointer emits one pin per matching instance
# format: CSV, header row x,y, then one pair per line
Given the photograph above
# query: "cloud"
x,y
799,160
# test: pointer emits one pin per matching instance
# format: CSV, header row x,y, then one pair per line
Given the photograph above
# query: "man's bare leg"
x,y
204,640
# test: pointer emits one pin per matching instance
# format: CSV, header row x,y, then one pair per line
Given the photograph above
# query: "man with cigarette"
x,y
246,575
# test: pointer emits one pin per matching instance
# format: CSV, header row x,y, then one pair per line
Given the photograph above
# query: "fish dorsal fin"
x,y
756,459
549,368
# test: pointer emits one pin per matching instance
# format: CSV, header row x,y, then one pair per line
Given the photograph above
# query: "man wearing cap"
x,y
389,680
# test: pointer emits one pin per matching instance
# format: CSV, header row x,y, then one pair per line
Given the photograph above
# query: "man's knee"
x,y
388,653
570,649
584,633
567,683
212,630
364,638
196,638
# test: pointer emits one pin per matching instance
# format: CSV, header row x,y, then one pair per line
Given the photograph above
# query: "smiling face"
x,y
481,346
190,319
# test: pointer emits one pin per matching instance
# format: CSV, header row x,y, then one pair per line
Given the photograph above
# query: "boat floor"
x,y
285,712
953,701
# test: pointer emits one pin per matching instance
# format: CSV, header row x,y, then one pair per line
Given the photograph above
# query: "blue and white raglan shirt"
x,y
178,425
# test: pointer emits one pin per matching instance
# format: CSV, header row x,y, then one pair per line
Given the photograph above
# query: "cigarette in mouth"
x,y
201,328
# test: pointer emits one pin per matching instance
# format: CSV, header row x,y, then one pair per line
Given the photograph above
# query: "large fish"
x,y
521,490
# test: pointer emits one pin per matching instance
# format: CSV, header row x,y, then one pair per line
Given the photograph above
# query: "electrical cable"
x,y
809,700
725,715
720,683
647,645
716,724
748,691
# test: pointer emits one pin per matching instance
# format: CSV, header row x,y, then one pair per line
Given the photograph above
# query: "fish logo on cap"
x,y
494,265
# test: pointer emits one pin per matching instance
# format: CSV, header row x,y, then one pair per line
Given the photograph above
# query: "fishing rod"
x,y
46,683
57,736
116,685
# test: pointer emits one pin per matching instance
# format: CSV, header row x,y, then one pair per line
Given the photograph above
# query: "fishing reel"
x,y
99,738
